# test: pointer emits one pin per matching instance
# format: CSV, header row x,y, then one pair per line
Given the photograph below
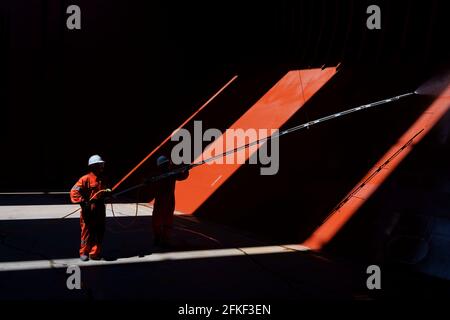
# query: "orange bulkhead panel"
x,y
273,110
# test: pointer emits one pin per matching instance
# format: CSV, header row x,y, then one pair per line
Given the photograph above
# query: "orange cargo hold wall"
x,y
274,109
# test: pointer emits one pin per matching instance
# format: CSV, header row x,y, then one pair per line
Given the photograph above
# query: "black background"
x,y
137,69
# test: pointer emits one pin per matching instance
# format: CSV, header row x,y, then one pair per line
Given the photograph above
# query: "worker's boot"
x,y
84,257
95,253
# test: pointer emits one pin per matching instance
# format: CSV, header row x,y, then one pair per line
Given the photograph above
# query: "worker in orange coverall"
x,y
90,192
164,205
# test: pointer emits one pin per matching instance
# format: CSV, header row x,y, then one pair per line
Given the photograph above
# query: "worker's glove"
x,y
108,193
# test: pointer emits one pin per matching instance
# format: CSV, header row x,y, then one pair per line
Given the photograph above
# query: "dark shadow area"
x,y
284,276
267,277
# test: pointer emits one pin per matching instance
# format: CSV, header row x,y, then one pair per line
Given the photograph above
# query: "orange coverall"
x,y
164,205
93,212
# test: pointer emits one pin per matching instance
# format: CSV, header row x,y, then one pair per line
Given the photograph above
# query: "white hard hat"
x,y
95,159
161,160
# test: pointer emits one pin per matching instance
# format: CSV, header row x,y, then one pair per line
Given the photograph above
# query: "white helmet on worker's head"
x,y
162,160
95,159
